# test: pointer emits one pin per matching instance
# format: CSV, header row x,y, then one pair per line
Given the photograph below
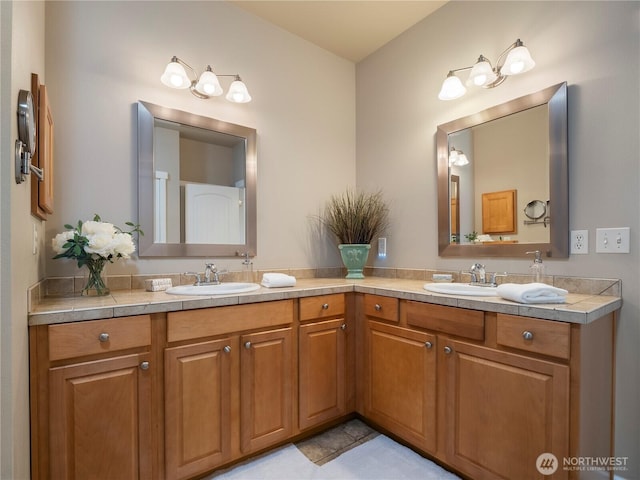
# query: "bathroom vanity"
x,y
145,385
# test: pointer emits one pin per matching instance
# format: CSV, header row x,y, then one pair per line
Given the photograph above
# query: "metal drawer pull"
x,y
227,349
247,345
448,350
343,326
378,307
103,337
325,306
144,365
428,345
527,335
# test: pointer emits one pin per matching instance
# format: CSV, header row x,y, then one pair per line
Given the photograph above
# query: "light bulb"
x,y
176,80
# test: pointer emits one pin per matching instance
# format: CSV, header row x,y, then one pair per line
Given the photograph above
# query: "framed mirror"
x,y
518,146
196,185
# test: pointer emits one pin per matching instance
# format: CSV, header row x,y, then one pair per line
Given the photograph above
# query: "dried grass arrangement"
x,y
356,217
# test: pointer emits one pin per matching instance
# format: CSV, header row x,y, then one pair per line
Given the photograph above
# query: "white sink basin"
x,y
461,289
220,289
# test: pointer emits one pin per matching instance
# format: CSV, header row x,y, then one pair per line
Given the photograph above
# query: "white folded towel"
x,y
271,280
531,293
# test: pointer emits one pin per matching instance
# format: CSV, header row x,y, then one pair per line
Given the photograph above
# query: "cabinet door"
x,y
266,388
502,411
100,419
322,370
401,383
197,407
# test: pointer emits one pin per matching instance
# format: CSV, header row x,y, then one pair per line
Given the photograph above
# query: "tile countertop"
x,y
579,308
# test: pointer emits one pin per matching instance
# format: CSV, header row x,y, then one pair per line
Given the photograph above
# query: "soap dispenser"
x,y
537,267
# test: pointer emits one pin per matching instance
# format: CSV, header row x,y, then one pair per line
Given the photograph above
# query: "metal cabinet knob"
x,y
325,306
343,326
527,335
103,337
428,345
144,365
378,307
227,349
448,350
247,345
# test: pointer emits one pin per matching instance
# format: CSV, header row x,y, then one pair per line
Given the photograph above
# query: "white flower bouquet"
x,y
93,243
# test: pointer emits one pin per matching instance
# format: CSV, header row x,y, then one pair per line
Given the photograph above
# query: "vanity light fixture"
x,y
457,158
515,59
206,86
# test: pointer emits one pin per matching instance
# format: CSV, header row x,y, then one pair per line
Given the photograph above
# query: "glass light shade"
x,y
462,160
481,74
208,84
174,76
453,157
518,61
452,88
238,92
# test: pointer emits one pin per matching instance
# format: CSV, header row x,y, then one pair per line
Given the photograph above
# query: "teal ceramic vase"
x,y
354,257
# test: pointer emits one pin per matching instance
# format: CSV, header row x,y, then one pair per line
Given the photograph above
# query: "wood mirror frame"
x,y
558,247
147,114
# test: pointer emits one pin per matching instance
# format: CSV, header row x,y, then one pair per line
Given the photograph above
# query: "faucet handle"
x,y
495,276
197,275
211,266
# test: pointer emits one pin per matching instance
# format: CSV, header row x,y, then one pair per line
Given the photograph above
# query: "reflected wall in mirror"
x,y
196,184
518,146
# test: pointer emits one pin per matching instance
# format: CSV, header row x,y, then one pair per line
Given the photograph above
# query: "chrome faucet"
x,y
478,273
479,276
211,274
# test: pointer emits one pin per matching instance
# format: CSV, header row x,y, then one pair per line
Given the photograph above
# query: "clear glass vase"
x,y
96,285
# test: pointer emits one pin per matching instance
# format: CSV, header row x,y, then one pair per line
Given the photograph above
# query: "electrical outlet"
x,y
612,240
579,242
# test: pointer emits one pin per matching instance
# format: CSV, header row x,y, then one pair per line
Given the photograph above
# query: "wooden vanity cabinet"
x,y
501,410
400,374
323,339
400,393
198,421
92,399
267,370
510,388
228,384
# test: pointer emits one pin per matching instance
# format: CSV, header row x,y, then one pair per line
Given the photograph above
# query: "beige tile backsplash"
x,y
66,286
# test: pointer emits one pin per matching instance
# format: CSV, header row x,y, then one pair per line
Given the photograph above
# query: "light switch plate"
x,y
382,247
612,240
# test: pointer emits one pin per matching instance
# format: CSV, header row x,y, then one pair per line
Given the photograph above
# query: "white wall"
x,y
102,57
594,47
22,25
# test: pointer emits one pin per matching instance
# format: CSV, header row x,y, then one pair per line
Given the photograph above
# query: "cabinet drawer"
x,y
71,340
323,306
451,320
534,335
208,322
378,306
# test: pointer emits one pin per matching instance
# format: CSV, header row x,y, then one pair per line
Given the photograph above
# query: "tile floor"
x,y
328,445
350,451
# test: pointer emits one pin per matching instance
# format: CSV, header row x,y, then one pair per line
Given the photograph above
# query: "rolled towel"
x,y
271,280
532,293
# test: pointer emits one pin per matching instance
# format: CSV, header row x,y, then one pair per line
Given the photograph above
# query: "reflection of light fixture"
x,y
207,85
483,74
457,158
